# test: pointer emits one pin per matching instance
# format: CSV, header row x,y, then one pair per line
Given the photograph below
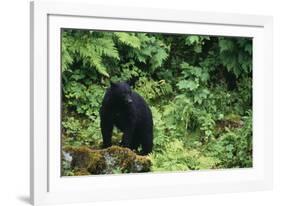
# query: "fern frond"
x,y
104,47
66,55
128,39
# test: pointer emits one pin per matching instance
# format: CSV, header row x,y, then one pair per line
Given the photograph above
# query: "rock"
x,y
85,161
230,121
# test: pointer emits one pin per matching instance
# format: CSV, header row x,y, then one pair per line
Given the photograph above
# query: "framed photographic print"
x,y
126,105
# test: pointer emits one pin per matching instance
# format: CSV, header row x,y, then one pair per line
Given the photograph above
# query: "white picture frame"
x,y
47,186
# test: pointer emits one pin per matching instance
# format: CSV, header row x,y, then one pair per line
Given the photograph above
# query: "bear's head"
x,y
121,92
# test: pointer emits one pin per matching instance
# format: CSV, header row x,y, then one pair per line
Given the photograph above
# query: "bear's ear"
x,y
130,82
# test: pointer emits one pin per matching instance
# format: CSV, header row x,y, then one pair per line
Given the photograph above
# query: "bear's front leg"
x,y
106,130
128,130
127,139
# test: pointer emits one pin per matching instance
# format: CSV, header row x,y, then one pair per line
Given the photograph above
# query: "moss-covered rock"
x,y
115,159
230,121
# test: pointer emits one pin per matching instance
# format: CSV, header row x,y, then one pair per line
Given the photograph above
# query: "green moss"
x,y
123,157
97,163
142,164
112,160
81,172
233,117
230,121
86,158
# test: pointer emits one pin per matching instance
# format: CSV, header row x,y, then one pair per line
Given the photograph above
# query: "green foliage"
x,y
234,148
152,90
196,42
129,39
178,158
194,83
236,54
199,123
87,48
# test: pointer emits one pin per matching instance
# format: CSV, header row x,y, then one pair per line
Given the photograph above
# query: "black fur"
x,y
128,111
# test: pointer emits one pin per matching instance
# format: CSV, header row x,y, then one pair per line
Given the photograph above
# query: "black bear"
x,y
128,111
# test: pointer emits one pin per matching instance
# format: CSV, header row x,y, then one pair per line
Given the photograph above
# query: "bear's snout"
x,y
129,101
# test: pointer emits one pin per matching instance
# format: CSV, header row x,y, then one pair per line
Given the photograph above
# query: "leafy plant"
x,y
199,89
